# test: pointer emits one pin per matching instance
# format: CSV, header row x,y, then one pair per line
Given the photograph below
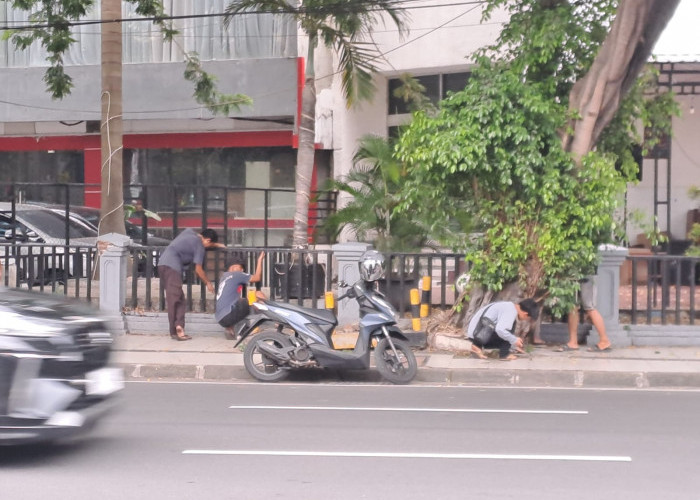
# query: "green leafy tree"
x,y
346,27
515,147
51,22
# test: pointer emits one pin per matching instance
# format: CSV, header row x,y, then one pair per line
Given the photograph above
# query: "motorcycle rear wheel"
x,y
258,364
396,371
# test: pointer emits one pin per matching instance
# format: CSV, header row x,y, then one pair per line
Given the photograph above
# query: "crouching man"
x,y
230,306
493,327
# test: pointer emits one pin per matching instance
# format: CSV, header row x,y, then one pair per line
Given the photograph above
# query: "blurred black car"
x,y
55,376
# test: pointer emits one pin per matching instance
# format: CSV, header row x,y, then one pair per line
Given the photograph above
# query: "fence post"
x,y
113,263
608,290
347,255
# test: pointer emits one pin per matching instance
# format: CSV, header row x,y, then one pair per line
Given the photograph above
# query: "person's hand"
x,y
519,343
261,256
210,287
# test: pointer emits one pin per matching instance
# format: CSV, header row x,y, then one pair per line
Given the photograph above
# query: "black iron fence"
x,y
299,276
243,216
661,289
654,289
66,269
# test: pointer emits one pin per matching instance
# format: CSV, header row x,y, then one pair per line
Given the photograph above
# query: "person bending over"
x,y
187,248
493,326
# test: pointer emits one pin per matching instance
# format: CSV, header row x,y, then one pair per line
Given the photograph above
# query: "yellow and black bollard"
x,y
415,309
425,298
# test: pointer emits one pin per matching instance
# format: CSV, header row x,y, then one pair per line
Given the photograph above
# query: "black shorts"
x,y
239,310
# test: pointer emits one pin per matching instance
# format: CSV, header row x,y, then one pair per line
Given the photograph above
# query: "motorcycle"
x,y
294,337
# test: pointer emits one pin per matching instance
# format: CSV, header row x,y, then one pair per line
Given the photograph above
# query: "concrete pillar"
x,y
113,266
347,255
608,291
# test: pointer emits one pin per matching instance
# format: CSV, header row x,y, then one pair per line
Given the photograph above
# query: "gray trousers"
x,y
171,282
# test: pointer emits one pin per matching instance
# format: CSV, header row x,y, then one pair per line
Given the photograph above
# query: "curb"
x,y
470,377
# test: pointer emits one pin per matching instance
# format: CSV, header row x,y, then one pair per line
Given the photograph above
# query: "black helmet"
x,y
372,265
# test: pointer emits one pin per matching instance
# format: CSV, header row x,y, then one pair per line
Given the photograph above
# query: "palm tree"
x,y
345,26
374,183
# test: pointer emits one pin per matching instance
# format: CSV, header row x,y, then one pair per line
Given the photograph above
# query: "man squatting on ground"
x,y
230,306
187,248
503,316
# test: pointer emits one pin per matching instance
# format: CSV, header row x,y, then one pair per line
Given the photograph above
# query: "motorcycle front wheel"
x,y
260,365
399,370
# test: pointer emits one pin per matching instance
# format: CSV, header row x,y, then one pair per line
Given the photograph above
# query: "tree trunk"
x,y
305,160
627,47
112,196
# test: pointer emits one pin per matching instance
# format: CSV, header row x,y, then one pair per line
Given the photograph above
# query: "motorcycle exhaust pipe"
x,y
273,352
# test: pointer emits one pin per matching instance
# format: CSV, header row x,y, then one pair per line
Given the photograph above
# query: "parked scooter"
x,y
291,337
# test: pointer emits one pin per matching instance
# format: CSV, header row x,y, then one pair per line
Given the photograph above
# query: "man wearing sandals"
x,y
499,318
586,298
186,248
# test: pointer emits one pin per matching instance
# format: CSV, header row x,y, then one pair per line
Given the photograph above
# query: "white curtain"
x,y
248,36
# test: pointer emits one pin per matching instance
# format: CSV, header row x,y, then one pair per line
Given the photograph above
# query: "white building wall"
x,y
439,40
685,172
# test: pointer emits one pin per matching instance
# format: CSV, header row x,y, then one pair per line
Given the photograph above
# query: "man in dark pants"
x,y
230,306
187,248
502,315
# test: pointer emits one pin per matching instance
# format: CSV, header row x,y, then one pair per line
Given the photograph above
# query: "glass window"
x,y
454,82
35,169
431,83
185,177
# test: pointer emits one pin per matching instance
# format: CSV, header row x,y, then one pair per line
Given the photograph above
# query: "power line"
x,y
31,26
379,56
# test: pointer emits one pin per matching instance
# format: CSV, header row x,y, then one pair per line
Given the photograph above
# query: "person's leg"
x,y
171,281
588,299
599,324
503,346
239,310
573,328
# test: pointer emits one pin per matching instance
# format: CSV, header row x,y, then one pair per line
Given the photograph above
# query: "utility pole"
x,y
111,129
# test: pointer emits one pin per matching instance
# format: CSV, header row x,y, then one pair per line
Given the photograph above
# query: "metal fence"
x,y
655,289
66,269
661,289
233,211
299,276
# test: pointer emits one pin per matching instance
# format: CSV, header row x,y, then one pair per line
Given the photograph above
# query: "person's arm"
x,y
203,276
504,324
257,275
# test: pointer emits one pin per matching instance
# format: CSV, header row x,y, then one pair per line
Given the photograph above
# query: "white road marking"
x,y
431,410
448,456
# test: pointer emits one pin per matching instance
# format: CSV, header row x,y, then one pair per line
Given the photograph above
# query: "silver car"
x,y
55,374
42,246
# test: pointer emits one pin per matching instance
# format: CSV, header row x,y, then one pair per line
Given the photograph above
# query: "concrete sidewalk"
x,y
210,357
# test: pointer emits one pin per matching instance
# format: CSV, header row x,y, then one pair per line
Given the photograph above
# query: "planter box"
x,y
558,333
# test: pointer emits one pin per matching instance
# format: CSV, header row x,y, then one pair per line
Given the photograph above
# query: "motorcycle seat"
x,y
322,314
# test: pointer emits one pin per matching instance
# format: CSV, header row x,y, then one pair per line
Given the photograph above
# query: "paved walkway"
x,y
213,358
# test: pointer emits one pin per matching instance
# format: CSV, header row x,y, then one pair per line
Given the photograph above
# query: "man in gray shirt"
x,y
502,316
187,248
230,306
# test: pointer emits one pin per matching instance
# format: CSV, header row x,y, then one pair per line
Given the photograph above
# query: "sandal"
x,y
478,352
595,348
510,357
181,338
565,348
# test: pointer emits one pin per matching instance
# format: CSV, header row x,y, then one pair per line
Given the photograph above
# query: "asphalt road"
x,y
314,441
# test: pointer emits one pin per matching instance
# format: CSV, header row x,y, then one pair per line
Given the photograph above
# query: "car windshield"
x,y
54,224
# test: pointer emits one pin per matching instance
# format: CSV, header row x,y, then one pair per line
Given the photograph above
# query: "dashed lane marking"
x,y
429,410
